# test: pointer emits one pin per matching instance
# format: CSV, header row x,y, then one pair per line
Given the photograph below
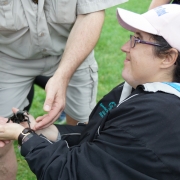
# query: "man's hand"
x,y
54,103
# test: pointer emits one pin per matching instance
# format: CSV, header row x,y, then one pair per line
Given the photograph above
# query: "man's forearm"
x,y
82,40
156,3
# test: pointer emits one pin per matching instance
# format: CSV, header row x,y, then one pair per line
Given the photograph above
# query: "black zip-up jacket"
x,y
136,139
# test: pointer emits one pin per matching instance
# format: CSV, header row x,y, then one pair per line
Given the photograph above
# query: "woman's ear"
x,y
169,58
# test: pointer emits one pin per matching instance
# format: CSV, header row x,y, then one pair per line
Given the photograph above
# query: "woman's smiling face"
x,y
141,65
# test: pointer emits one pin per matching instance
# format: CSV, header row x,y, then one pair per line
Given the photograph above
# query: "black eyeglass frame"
x,y
137,40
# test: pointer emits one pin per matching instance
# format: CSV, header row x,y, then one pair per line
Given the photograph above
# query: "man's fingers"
x,y
48,124
2,144
54,104
48,119
15,110
40,118
50,96
57,116
7,141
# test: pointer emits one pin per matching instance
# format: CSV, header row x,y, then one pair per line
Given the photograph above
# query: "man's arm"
x,y
82,40
156,3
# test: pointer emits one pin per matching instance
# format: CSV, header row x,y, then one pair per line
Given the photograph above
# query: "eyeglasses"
x,y
134,40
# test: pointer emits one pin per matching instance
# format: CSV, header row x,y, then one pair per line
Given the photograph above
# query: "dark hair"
x,y
176,2
162,50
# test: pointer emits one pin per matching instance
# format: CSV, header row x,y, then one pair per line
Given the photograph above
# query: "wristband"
x,y
24,133
27,137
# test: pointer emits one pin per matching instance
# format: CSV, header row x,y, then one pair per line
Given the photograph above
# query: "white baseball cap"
x,y
162,21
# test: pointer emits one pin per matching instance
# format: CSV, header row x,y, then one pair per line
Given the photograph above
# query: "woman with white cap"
x,y
134,131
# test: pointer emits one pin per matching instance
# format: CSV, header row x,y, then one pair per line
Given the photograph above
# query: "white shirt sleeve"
x,y
88,6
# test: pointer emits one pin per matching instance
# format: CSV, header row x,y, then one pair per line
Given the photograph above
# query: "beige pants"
x,y
16,78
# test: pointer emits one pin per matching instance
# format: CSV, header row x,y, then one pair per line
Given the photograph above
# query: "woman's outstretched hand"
x,y
10,131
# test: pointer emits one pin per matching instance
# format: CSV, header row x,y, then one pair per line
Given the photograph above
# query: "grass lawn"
x,y
110,61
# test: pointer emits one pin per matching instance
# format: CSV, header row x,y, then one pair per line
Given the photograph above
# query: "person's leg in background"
x,y
41,82
14,87
30,98
8,163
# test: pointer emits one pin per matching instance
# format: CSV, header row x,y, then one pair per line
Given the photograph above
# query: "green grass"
x,y
110,61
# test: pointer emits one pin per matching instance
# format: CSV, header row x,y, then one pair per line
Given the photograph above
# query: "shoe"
x,y
62,119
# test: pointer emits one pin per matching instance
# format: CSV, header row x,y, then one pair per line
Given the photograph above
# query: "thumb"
x,y
14,110
48,101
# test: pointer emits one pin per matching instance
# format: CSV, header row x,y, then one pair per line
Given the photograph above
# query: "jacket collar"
x,y
166,87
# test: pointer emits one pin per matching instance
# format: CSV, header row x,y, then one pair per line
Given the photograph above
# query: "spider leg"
x,y
27,119
8,120
11,118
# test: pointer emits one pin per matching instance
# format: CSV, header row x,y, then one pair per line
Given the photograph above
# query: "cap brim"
x,y
133,21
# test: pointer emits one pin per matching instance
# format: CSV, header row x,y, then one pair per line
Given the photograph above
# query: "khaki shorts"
x,y
17,76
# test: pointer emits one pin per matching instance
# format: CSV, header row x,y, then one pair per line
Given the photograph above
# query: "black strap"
x,y
24,133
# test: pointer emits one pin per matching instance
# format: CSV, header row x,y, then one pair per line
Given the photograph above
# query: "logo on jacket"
x,y
105,110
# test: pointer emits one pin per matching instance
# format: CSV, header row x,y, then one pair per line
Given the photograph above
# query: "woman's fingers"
x,y
10,131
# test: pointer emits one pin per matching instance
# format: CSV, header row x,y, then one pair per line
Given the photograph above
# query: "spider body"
x,y
19,117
